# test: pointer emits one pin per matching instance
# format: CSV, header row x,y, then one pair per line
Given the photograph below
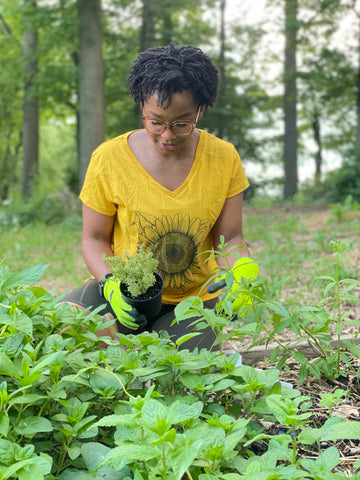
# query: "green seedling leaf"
x,y
25,277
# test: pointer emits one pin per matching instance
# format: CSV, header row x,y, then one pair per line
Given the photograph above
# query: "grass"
x,y
59,246
291,245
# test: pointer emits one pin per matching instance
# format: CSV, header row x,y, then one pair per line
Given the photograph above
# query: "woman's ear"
x,y
201,111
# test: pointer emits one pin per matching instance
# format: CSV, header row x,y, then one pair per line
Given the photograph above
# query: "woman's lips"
x,y
168,146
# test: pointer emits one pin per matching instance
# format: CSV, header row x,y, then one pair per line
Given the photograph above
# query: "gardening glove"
x,y
242,268
127,315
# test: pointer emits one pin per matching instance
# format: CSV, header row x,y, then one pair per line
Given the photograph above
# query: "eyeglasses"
x,y
179,127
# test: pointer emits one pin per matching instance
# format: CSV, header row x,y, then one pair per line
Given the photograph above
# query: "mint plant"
x,y
71,410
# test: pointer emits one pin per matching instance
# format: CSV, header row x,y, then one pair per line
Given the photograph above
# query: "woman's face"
x,y
181,109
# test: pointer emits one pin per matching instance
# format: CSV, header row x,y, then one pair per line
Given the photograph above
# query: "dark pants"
x,y
88,296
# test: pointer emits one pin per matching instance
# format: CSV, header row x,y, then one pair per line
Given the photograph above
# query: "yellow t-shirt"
x,y
175,225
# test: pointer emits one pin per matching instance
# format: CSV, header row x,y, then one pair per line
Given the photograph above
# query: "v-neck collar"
x,y
159,186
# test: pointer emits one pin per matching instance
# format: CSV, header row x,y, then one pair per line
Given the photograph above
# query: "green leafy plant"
x,y
136,271
331,399
71,410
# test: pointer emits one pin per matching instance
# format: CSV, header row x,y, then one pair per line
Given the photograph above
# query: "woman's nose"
x,y
167,132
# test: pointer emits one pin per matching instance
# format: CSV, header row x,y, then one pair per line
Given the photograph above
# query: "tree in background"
x,y
246,113
91,82
222,70
11,76
290,100
31,100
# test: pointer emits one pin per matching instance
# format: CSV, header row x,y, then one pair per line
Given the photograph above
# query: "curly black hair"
x,y
170,69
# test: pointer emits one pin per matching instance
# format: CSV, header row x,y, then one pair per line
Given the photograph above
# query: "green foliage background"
x,y
250,112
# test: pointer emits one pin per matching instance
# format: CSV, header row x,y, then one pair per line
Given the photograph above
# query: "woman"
x,y
170,186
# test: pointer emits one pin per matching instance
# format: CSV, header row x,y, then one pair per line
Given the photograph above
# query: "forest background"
x,y
289,90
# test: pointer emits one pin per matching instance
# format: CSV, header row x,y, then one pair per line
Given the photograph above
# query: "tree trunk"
x,y
147,34
357,134
31,104
318,155
91,82
290,100
147,37
222,75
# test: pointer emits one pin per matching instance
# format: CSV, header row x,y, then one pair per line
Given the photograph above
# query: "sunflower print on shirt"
x,y
175,243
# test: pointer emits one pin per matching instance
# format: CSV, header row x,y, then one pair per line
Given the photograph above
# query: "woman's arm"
x,y
96,240
229,224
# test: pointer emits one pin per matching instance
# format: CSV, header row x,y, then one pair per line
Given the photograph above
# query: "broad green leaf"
x,y
20,321
73,451
6,365
183,456
113,420
46,360
43,464
231,476
4,425
32,425
72,474
101,379
309,435
342,430
168,437
208,476
148,372
152,411
25,277
27,398
233,439
13,344
324,463
188,308
180,412
130,452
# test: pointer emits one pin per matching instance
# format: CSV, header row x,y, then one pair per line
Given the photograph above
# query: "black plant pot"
x,y
149,304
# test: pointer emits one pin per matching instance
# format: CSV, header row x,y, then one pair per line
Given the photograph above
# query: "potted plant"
x,y
140,285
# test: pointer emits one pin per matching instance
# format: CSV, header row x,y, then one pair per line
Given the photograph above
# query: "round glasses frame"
x,y
162,125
